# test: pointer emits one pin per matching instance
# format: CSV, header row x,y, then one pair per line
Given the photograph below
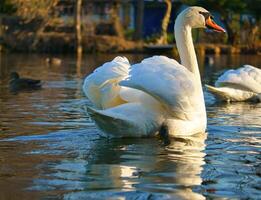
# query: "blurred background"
x,y
59,26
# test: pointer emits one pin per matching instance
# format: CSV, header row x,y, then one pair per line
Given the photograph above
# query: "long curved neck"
x,y
188,57
185,47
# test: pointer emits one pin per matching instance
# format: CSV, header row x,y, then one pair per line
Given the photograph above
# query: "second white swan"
x,y
243,84
158,95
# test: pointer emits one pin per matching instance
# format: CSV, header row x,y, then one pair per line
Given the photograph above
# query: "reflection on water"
x,y
97,168
49,147
233,150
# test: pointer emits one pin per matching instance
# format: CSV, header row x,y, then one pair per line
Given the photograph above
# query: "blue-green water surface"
x,y
51,149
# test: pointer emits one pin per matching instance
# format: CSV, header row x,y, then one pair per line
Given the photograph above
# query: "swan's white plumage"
x,y
101,87
137,96
231,93
247,77
238,85
120,111
158,90
128,120
156,95
167,81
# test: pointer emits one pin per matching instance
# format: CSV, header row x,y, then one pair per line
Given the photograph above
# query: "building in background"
x,y
95,12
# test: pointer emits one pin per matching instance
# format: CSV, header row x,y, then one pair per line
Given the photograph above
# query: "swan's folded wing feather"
x,y
116,68
127,120
231,93
167,81
246,78
101,86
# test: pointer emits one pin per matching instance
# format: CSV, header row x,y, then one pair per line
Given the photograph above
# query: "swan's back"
x,y
167,81
245,78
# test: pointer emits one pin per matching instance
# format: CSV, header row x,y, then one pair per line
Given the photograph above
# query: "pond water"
x,y
50,148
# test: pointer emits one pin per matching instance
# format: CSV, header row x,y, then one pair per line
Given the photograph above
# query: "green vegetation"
x,y
42,18
7,7
230,11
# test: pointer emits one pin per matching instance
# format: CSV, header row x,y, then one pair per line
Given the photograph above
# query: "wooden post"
x,y
217,50
165,23
78,27
115,18
1,34
79,64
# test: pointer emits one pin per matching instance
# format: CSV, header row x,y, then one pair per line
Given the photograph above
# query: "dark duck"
x,y
16,83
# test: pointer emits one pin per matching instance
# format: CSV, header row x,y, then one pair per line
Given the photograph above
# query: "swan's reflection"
x,y
237,113
186,158
128,168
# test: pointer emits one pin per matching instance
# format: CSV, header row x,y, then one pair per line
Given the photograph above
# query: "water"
x,y
50,149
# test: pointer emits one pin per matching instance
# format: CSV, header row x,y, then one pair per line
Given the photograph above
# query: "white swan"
x,y
156,95
238,85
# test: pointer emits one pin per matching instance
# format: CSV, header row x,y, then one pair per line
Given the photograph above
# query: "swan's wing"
x,y
245,78
167,81
127,120
137,96
101,87
231,93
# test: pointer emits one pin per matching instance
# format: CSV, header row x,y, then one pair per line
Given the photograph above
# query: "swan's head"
x,y
198,17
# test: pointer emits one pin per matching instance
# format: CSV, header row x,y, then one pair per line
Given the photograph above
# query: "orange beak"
x,y
213,26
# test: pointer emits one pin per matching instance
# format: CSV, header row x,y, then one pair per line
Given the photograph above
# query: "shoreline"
x,y
65,43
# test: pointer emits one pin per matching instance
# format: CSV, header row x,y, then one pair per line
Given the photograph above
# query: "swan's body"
x,y
242,84
156,95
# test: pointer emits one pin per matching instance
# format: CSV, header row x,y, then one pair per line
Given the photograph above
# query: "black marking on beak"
x,y
206,15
